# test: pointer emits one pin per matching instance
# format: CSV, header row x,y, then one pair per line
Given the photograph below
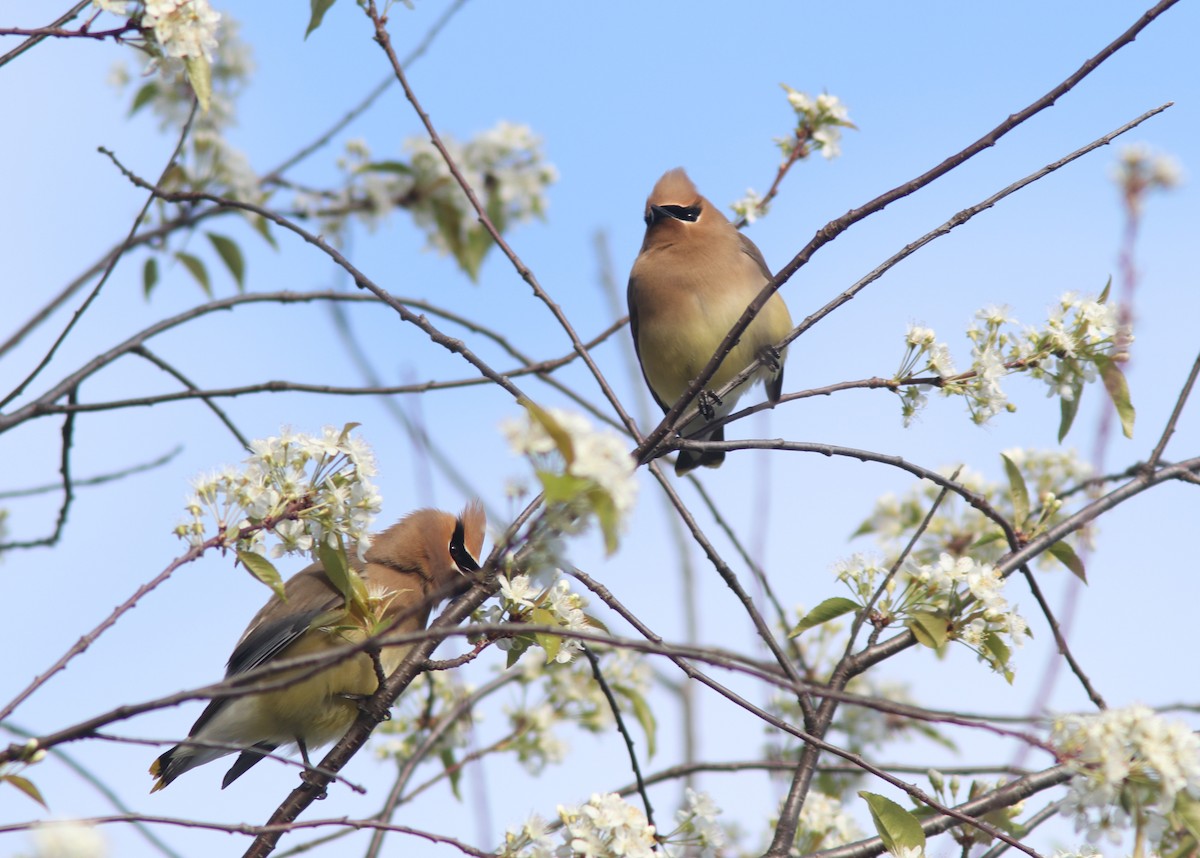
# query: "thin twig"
x,y
94,481
1060,639
112,264
142,351
384,40
598,675
1169,429
69,15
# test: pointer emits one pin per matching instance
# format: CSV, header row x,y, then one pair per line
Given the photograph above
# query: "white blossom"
x,y
68,839
183,28
303,488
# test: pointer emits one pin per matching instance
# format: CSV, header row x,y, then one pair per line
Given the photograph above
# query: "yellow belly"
x,y
321,707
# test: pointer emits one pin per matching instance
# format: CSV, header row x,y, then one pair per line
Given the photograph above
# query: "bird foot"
x,y
770,357
360,700
705,403
309,779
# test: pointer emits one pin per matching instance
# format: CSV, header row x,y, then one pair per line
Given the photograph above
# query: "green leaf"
x,y
866,527
823,613
231,255
1103,299
348,582
263,227
606,515
520,646
196,268
144,96
929,629
453,770
1000,652
1118,391
262,569
478,243
897,828
562,488
26,786
645,717
1018,491
1187,812
494,207
199,74
397,167
319,8
149,276
549,642
595,623
1068,408
562,440
1065,554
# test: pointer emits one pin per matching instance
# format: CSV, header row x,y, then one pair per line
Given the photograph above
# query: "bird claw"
x,y
705,403
770,356
308,777
360,700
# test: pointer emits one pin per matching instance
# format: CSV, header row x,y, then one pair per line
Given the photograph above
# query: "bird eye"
x,y
458,550
688,213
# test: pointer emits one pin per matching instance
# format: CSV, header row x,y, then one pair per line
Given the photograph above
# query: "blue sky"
x,y
619,93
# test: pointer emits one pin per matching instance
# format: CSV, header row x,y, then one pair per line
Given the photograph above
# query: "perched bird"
x,y
408,567
693,278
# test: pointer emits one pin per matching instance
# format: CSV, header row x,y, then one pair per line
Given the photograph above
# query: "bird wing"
x,y
633,329
751,249
277,626
281,623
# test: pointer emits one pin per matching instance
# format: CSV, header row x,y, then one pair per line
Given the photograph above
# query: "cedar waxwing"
x,y
407,568
693,279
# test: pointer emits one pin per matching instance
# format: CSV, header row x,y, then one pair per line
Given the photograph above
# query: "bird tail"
x,y
182,758
689,460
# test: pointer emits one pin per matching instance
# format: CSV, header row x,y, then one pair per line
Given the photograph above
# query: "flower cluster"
x,y
698,830
583,472
430,699
824,824
1140,170
304,489
953,599
1131,765
574,693
967,603
750,207
967,835
183,31
569,693
531,840
819,125
68,838
606,826
504,165
211,163
1080,337
179,28
522,601
1051,479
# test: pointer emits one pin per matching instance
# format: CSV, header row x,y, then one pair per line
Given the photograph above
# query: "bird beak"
x,y
657,213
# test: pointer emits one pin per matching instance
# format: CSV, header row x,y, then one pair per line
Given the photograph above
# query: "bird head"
x,y
440,547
